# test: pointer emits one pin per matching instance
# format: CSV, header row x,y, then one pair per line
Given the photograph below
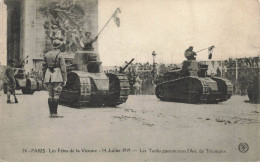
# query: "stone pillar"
x,y
13,30
3,33
28,35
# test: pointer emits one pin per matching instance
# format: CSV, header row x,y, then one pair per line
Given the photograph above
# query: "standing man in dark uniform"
x,y
10,81
190,54
54,75
253,89
243,86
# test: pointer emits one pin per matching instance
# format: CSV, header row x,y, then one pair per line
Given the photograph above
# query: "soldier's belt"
x,y
52,69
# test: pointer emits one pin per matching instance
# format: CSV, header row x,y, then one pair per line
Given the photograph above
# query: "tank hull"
x,y
225,87
28,86
193,89
95,89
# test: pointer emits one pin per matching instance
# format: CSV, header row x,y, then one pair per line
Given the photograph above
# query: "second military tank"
x,y
191,84
28,84
88,85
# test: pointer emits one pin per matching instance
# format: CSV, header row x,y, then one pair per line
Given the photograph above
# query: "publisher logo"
x,y
243,147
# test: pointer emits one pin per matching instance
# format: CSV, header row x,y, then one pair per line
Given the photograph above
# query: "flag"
x,y
210,51
116,19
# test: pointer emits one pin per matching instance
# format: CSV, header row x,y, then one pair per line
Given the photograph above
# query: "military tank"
x,y
26,84
88,85
191,84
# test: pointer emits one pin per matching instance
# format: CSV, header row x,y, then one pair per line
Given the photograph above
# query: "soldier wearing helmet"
x,y
190,54
54,76
87,41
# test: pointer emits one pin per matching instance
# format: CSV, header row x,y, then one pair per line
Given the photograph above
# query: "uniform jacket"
x,y
189,53
53,60
87,41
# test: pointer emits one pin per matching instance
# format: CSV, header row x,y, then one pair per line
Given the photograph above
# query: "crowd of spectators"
x,y
251,62
140,76
241,72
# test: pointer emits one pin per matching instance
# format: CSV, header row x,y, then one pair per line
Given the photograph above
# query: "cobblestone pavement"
x,y
142,129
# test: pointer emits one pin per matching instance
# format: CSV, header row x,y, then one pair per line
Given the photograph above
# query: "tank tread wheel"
x,y
159,93
121,93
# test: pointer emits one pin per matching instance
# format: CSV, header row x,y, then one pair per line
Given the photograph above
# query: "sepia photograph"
x,y
129,80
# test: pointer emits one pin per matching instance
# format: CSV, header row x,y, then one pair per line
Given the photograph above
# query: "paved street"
x,y
143,129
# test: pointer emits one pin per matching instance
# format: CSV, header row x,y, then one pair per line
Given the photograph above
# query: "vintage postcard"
x,y
129,80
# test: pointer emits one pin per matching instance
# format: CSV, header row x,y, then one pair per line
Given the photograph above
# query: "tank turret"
x,y
87,61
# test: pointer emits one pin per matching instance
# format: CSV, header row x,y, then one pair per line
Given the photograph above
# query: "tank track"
x,y
82,91
122,90
194,90
225,88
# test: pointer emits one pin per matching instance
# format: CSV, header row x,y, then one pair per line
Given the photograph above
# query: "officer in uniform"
x,y
10,81
190,54
54,75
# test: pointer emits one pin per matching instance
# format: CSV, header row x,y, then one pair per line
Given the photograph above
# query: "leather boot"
x,y
55,108
50,103
8,97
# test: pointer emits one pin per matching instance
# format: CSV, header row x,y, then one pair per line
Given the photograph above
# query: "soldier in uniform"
x,y
243,86
253,89
9,80
87,42
54,75
190,54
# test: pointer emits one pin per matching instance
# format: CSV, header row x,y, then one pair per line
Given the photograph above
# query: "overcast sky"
x,y
171,26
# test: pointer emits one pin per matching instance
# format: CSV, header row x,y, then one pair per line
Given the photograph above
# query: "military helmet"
x,y
56,44
87,32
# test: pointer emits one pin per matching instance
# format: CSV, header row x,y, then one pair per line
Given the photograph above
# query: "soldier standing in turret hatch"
x,y
190,54
88,41
54,75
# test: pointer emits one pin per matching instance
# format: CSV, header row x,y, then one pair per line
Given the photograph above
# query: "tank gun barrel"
x,y
124,68
24,59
